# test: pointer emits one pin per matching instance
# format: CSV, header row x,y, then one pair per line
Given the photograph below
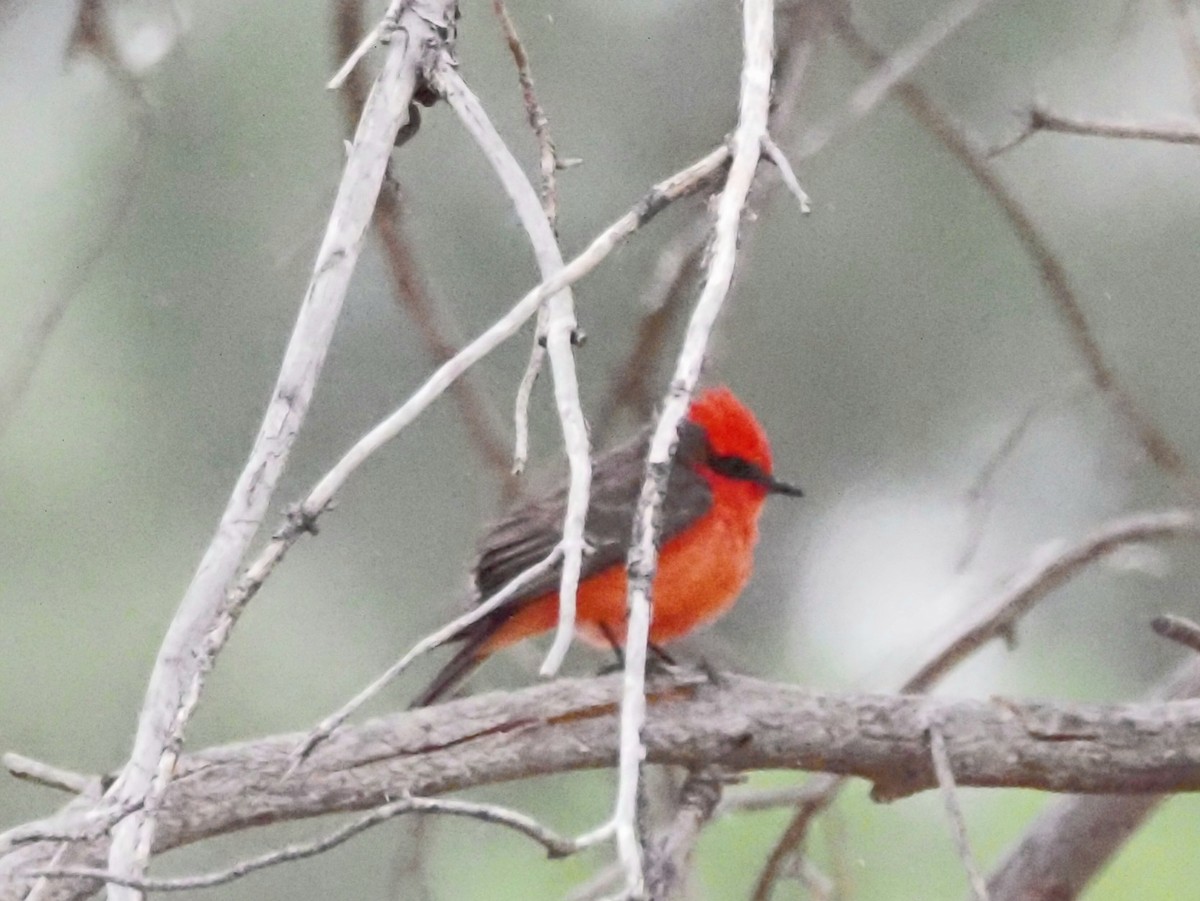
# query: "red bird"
x,y
722,475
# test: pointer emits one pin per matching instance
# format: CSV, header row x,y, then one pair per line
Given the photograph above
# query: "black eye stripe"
x,y
734,467
738,468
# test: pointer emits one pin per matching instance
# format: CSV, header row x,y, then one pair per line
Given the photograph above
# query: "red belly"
x,y
700,574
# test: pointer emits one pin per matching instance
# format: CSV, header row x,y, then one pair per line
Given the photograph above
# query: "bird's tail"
x,y
461,665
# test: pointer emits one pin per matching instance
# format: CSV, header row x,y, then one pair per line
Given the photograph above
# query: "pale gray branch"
x,y
187,653
958,823
892,71
758,45
51,776
561,331
555,845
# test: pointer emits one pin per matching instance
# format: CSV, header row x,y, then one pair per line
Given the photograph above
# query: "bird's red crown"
x,y
731,428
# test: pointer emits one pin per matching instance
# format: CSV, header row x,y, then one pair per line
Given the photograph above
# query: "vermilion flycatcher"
x,y
722,475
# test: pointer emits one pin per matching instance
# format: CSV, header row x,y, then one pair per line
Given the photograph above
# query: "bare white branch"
x,y
779,158
561,330
759,46
537,357
179,670
680,184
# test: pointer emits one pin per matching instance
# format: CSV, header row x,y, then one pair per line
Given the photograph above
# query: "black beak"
x,y
774,486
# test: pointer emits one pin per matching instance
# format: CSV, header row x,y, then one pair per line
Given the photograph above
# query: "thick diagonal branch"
x,y
186,654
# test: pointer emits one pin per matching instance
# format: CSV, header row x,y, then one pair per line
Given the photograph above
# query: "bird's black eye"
x,y
737,468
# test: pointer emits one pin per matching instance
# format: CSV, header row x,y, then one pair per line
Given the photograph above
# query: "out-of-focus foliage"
x,y
890,341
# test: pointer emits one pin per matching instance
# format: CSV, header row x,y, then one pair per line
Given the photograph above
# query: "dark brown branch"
x,y
1042,119
820,793
745,724
1178,629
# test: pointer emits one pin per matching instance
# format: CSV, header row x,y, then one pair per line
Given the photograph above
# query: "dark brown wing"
x,y
530,532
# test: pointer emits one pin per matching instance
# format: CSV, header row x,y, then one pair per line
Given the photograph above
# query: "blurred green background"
x,y
890,341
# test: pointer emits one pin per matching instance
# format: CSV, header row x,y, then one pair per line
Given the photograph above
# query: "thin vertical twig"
x,y
561,336
758,41
958,824
548,164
